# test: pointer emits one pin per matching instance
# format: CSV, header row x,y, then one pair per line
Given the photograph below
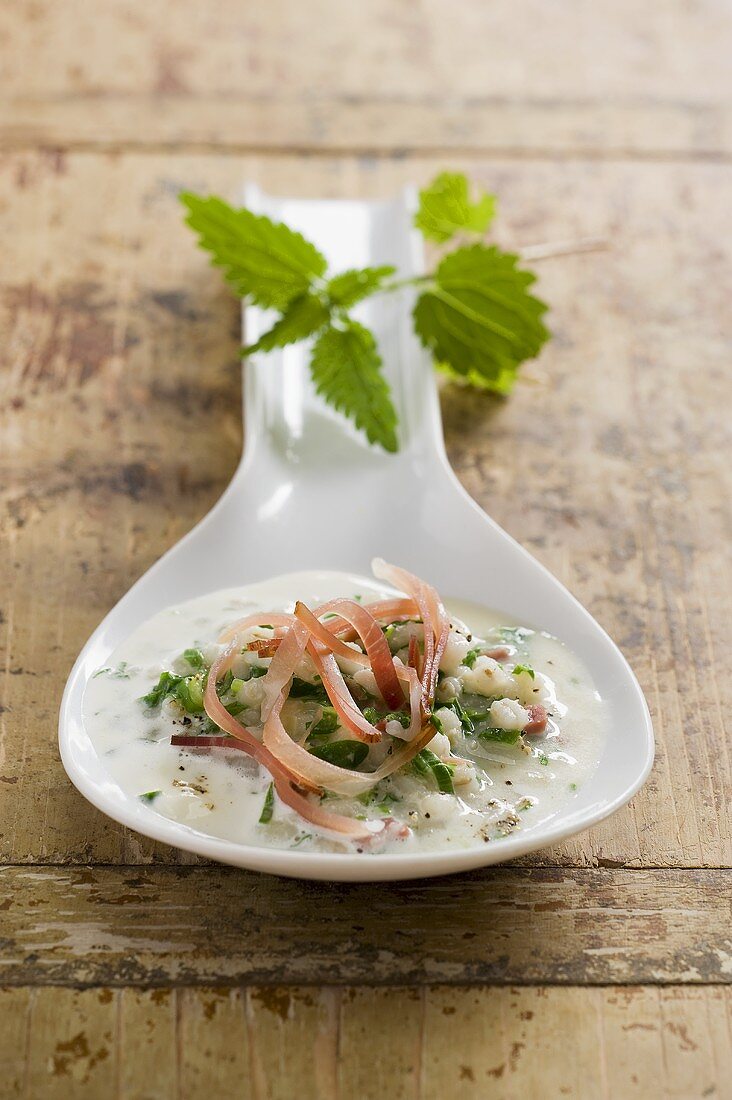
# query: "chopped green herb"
x,y
236,685
149,796
299,840
189,694
436,722
301,689
256,671
344,754
426,764
235,708
465,716
225,683
494,733
543,759
166,685
573,786
327,724
194,657
471,656
518,669
268,808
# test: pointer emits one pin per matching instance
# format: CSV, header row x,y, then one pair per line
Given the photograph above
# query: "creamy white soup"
x,y
449,727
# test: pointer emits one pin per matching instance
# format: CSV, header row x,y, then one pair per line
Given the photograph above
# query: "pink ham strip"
x,y
282,777
372,636
258,618
434,618
339,695
395,609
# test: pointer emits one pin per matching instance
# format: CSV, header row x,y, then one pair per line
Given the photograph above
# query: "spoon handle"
x,y
285,420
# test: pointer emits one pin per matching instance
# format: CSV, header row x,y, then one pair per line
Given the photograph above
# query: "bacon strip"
x,y
339,695
372,636
434,617
282,777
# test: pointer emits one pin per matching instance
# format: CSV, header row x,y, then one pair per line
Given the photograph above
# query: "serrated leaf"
x,y
304,316
479,317
346,369
264,260
356,284
445,208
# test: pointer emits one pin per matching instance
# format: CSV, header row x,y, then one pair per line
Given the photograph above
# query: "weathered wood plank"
x,y
486,1042
608,462
610,79
198,926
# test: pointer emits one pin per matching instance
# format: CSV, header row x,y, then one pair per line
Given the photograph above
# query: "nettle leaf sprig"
x,y
474,312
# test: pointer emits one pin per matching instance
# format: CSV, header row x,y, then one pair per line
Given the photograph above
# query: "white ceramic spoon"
x,y
309,493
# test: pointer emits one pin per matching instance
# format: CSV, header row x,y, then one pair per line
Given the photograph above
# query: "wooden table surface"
x,y
599,968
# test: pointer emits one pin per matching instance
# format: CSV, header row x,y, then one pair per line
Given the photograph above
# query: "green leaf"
x,y
518,669
166,685
328,724
353,286
189,694
346,369
479,317
471,657
494,733
344,754
149,796
262,259
302,689
425,763
304,316
445,208
268,808
194,657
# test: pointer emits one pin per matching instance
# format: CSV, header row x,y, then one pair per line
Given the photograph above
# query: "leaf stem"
x,y
398,284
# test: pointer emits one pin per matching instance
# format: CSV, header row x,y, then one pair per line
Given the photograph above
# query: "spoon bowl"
x,y
311,494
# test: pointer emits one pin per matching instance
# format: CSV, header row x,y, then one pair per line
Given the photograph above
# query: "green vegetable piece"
x,y
425,763
471,656
149,796
302,689
304,316
194,657
256,671
236,685
346,370
344,754
494,733
352,286
478,318
543,759
518,669
327,724
262,259
189,694
166,685
445,208
268,808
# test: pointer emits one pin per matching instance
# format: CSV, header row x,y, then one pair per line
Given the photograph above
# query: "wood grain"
x,y
613,79
210,925
120,425
271,1044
